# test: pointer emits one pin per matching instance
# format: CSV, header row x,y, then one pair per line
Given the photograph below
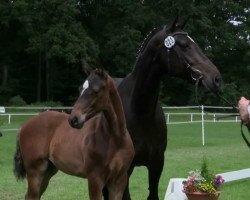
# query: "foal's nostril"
x,y
217,80
74,122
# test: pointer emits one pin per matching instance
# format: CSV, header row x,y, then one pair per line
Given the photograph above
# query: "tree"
x,y
43,41
53,34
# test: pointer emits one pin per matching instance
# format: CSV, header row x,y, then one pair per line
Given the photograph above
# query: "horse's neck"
x,y
147,84
114,114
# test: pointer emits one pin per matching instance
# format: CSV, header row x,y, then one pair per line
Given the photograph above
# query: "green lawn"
x,y
225,151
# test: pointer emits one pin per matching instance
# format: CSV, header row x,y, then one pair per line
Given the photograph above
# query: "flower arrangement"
x,y
202,181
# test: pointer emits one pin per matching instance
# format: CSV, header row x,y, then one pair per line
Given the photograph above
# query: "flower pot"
x,y
203,196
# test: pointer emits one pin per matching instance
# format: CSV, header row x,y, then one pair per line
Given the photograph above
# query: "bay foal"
x,y
100,149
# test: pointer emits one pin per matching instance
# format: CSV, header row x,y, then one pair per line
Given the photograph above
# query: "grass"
x,y
224,149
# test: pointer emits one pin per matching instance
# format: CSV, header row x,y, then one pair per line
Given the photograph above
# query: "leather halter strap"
x,y
195,71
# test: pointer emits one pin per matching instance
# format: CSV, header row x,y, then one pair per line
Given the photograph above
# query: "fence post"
x,y
202,125
9,118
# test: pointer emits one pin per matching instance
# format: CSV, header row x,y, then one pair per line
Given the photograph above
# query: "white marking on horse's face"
x,y
84,86
191,39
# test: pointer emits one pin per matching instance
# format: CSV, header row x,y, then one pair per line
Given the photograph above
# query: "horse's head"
x,y
93,97
177,54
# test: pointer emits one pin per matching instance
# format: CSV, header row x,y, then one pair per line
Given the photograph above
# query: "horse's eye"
x,y
185,47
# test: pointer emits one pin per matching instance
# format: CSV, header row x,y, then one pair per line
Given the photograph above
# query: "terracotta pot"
x,y
203,196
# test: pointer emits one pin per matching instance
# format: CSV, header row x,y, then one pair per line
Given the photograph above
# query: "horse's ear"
x,y
85,66
183,24
174,24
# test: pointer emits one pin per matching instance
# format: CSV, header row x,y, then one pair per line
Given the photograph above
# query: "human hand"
x,y
243,105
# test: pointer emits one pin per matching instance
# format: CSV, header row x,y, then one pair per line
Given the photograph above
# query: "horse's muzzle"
x,y
217,81
212,83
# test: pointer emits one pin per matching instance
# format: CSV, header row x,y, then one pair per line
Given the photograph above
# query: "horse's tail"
x,y
19,169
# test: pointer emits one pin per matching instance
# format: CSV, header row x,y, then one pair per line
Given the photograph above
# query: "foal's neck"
x,y
114,113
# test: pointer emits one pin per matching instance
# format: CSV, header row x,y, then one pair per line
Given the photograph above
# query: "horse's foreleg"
x,y
95,185
154,172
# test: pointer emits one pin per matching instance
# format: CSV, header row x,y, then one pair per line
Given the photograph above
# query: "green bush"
x,y
17,101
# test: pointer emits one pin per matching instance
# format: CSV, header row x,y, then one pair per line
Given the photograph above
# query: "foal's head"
x,y
94,96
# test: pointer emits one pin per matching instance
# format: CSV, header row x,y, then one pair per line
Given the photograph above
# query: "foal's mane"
x,y
117,105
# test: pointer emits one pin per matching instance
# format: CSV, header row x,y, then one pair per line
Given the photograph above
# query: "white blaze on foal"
x,y
85,86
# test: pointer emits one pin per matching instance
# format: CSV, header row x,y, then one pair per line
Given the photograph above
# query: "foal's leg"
x,y
155,169
117,186
51,171
95,185
35,173
34,183
126,194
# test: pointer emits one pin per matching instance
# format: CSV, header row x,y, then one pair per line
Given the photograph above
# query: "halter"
x,y
169,43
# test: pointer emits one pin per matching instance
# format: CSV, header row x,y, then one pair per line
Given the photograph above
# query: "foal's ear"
x,y
101,71
86,68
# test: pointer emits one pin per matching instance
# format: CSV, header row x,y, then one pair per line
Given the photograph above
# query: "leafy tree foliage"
x,y
43,41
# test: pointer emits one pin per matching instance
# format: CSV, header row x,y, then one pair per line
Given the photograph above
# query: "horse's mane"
x,y
147,38
145,42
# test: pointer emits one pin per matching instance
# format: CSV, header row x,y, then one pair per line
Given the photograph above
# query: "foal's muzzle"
x,y
77,121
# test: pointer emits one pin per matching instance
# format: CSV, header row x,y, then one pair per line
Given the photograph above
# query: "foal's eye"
x,y
95,91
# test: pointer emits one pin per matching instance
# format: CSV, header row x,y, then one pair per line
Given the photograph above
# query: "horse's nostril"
x,y
217,80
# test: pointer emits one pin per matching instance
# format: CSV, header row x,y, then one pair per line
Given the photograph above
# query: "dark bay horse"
x,y
167,50
101,150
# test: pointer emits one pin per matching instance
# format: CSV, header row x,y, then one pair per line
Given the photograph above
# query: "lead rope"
x,y
231,104
243,135
196,91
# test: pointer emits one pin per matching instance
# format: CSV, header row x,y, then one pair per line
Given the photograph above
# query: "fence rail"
x,y
212,117
190,117
17,114
199,114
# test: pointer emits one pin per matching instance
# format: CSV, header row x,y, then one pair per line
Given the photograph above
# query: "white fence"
x,y
201,115
174,115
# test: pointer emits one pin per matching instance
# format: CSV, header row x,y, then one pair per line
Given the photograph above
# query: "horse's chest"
x,y
149,139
